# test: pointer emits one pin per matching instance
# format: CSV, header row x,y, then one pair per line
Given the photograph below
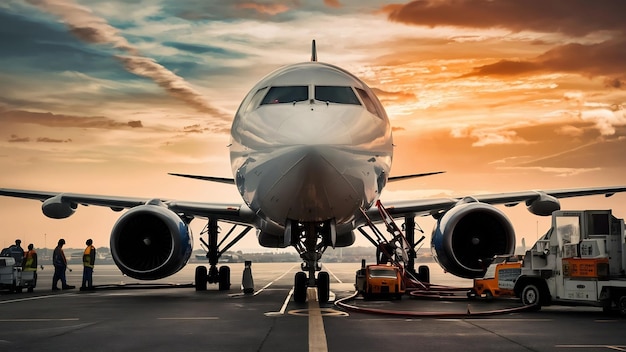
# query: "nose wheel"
x,y
301,285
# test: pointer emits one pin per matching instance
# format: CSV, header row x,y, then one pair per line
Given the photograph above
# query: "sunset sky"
x,y
107,97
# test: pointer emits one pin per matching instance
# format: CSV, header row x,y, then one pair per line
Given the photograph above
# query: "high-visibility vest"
x,y
89,256
30,263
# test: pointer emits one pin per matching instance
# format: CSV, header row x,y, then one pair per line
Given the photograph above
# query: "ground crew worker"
x,y
89,259
30,264
17,252
60,265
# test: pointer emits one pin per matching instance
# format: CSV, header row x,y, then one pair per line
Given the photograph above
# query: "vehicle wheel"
x,y
224,283
299,287
201,278
471,293
488,296
621,305
531,297
323,287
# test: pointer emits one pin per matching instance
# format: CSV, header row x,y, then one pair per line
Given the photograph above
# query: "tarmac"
x,y
169,315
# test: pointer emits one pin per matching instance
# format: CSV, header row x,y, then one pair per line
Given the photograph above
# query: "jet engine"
x,y
467,236
150,242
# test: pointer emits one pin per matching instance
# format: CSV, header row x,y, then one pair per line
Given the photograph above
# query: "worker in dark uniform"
x,y
30,264
60,265
16,251
89,259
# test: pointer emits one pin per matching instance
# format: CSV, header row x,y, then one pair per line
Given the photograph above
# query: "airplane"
x,y
311,151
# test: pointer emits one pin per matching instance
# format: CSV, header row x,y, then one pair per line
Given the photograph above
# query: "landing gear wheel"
x,y
531,297
201,278
224,278
423,273
323,287
299,287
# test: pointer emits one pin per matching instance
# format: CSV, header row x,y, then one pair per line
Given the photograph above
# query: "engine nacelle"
x,y
467,236
150,242
544,205
56,208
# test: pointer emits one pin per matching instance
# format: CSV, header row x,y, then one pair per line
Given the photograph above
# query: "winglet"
x,y
313,51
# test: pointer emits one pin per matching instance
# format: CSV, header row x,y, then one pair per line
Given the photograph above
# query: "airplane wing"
x,y
238,213
241,213
229,181
541,201
232,181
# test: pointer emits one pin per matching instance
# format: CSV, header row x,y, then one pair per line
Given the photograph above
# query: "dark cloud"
x,y
602,59
193,129
615,83
571,17
204,49
52,140
58,120
17,139
575,18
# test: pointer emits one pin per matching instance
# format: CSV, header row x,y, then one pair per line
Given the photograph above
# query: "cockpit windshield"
x,y
334,94
286,94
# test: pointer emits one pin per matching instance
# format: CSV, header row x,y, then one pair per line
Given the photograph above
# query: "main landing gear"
x,y
311,240
214,275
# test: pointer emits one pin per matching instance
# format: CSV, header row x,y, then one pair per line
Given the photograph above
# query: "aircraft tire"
x,y
201,278
299,287
224,278
323,287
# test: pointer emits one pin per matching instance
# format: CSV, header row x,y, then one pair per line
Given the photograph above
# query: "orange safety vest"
x,y
30,263
89,256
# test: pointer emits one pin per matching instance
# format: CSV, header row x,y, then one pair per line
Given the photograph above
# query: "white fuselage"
x,y
310,143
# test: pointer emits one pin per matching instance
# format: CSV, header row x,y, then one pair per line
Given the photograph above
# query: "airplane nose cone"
x,y
311,188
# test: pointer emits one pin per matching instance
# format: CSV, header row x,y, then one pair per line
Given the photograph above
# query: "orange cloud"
x,y
332,3
267,9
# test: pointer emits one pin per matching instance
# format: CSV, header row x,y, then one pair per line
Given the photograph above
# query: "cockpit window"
x,y
370,105
253,102
287,94
334,94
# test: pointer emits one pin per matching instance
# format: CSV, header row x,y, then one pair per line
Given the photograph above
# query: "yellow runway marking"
x,y
317,335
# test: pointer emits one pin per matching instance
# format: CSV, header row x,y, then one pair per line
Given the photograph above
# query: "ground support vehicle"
x,y
580,261
13,278
499,279
380,280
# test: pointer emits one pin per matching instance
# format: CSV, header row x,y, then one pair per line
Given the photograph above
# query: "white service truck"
x,y
13,278
580,261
